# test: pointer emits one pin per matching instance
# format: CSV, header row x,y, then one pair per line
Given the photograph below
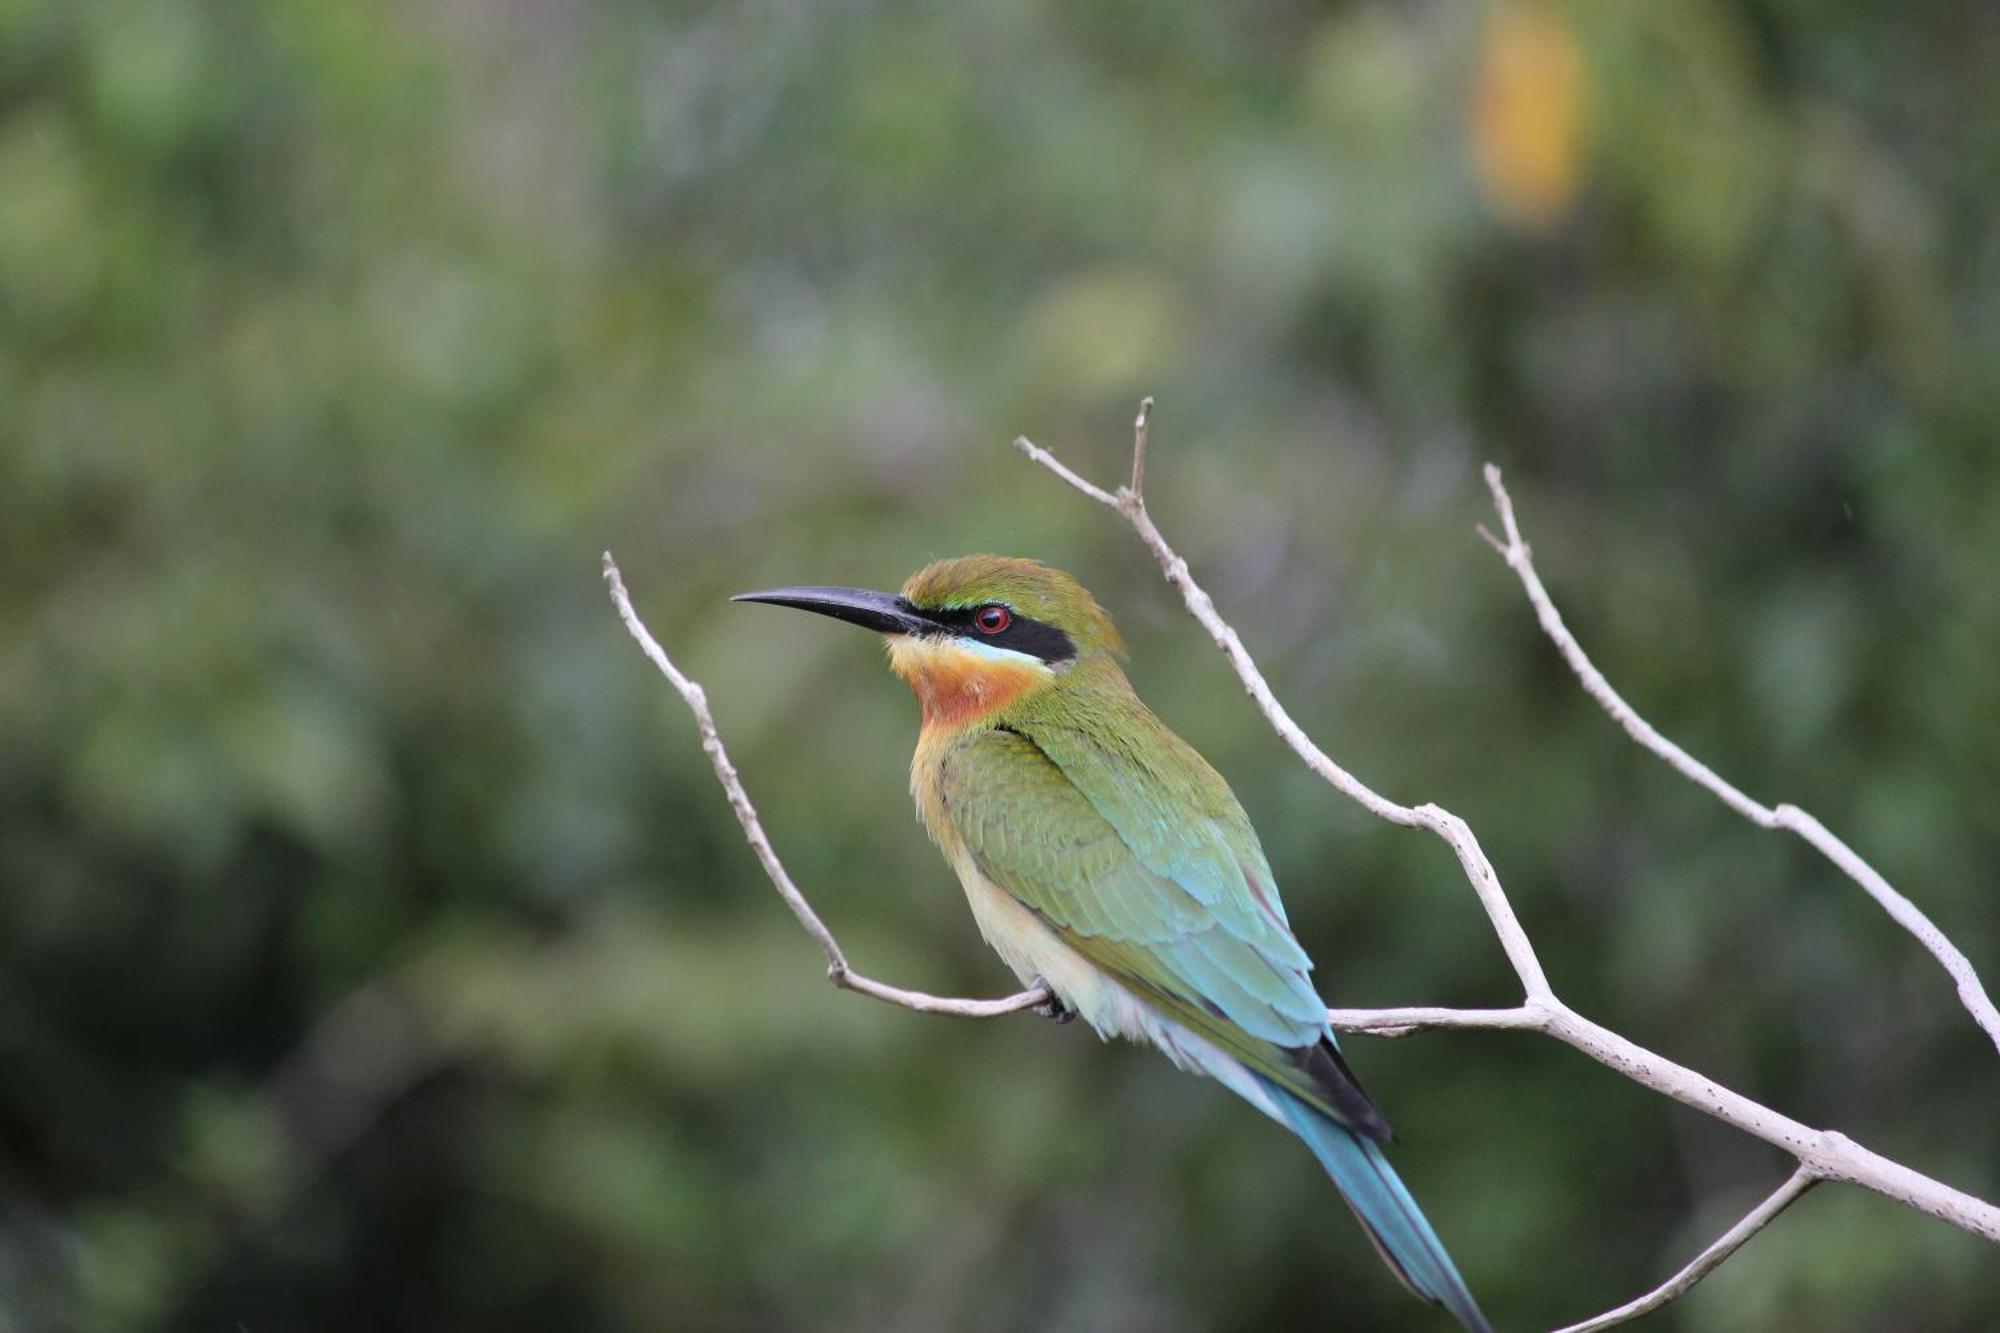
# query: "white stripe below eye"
x,y
995,652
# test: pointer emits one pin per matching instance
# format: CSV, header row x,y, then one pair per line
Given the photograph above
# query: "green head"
x,y
972,634
1048,613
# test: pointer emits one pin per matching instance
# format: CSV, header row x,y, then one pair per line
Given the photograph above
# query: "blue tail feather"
x,y
1377,1196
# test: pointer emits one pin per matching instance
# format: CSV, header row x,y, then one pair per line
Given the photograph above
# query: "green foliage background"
x,y
375,949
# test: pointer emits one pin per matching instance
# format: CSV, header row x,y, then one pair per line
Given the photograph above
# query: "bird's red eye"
x,y
992,619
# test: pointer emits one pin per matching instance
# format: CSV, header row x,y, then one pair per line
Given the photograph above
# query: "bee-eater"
x,y
1107,860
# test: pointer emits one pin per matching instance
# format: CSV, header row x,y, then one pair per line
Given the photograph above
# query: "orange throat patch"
x,y
958,686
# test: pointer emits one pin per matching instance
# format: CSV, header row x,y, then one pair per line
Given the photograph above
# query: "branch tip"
x,y
1139,426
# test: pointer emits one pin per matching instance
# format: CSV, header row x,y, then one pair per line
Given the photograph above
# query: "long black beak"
x,y
881,611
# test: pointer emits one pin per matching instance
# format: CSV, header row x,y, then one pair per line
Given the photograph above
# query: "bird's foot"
x,y
1055,1008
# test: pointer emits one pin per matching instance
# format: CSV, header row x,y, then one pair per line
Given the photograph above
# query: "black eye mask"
x,y
1037,638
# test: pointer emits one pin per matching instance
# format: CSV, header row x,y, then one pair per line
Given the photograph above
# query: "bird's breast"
x,y
1023,940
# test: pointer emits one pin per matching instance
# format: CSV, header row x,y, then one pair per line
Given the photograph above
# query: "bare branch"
x,y
837,969
1830,1154
1708,1260
1905,913
1821,1154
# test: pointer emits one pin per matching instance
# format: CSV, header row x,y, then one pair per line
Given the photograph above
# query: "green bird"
x,y
1105,859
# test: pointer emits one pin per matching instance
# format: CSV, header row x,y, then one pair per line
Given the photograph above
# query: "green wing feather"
x,y
1133,849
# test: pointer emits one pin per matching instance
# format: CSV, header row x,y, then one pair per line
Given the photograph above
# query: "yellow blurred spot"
x,y
1527,114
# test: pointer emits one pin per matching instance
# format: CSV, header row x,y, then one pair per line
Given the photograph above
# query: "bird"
x,y
1110,864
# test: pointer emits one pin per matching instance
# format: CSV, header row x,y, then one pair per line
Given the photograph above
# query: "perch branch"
x,y
1905,913
1409,1022
1821,1154
838,970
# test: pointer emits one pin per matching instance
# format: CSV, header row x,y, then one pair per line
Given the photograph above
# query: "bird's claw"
x,y
1054,1007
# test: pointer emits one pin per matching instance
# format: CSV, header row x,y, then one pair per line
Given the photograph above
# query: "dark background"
x,y
376,950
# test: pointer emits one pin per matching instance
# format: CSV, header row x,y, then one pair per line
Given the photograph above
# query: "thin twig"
x,y
1709,1259
1825,1154
837,968
1905,913
1138,487
1037,454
